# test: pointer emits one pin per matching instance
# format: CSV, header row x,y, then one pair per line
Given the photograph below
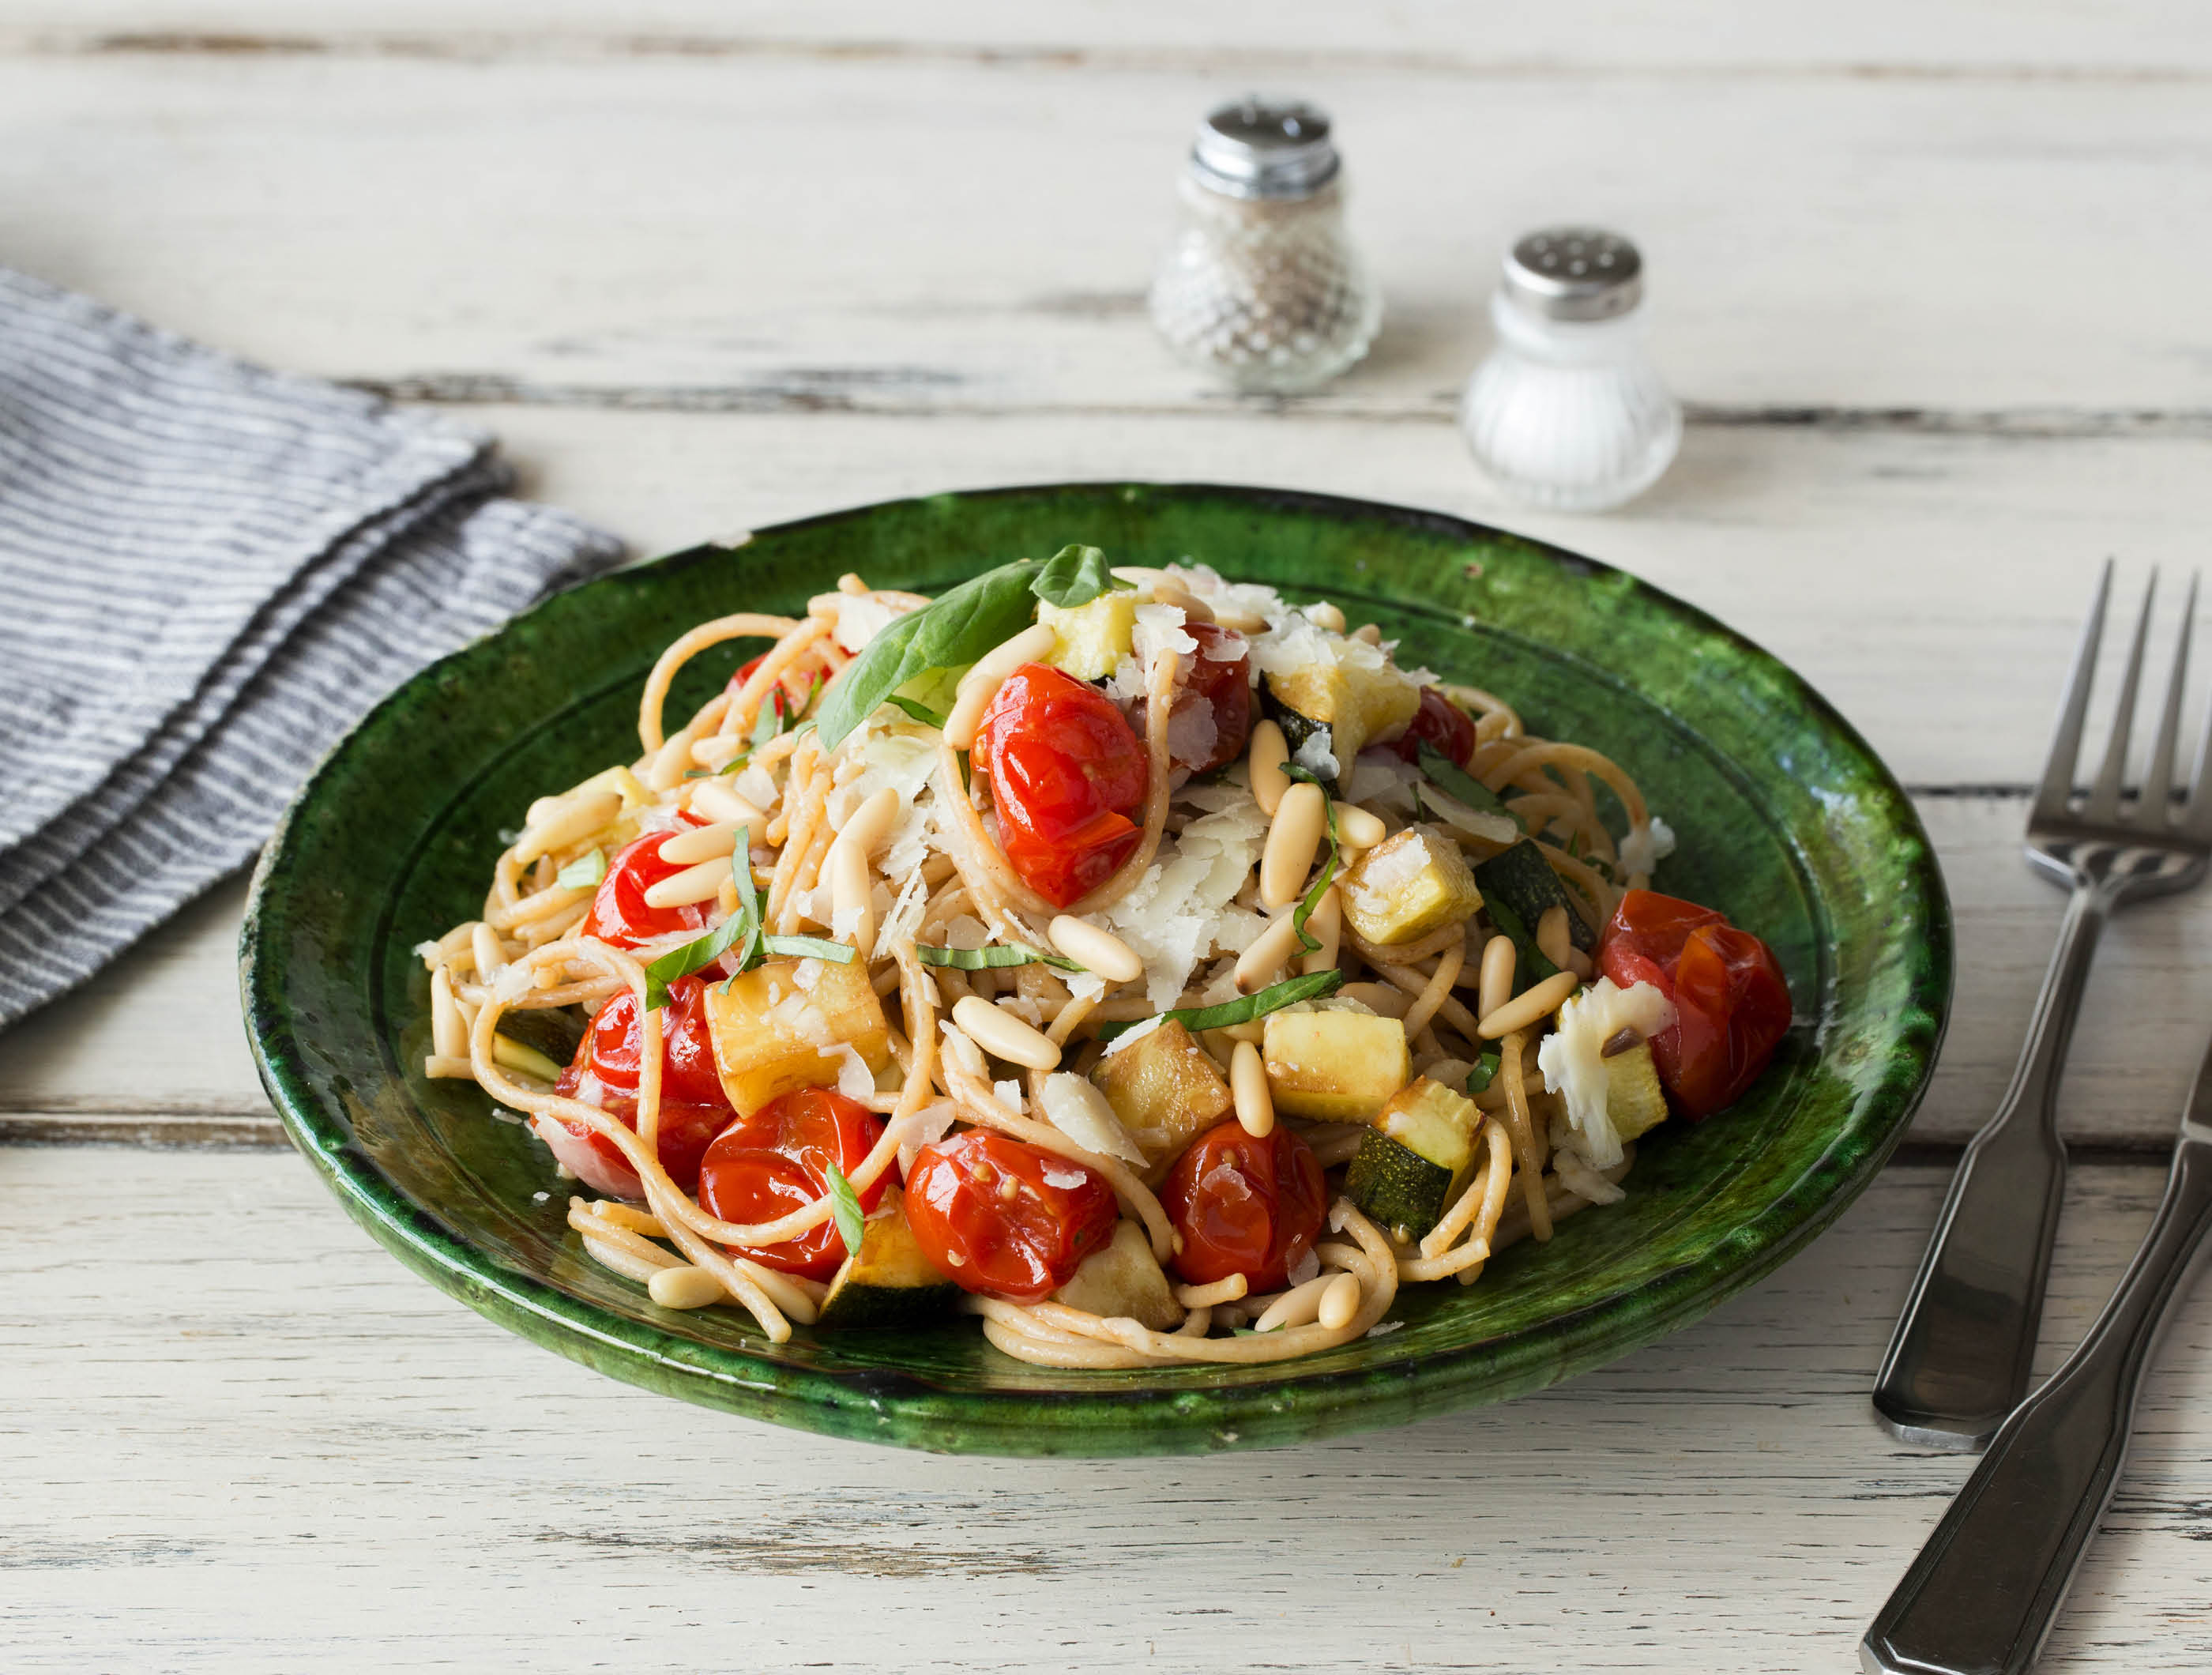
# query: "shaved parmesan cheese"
x,y
1080,1111
1160,630
1009,1092
1646,846
856,1080
1177,912
1572,1057
860,618
1315,757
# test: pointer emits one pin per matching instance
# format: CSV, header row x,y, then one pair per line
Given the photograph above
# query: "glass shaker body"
x,y
1569,415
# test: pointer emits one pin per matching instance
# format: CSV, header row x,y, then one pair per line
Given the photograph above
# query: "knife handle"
x,y
1983,1591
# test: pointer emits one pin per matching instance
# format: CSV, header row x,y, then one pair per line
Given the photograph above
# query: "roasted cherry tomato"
x,y
619,915
1245,1206
1443,724
1731,1002
1003,1217
1066,773
777,694
778,1160
1212,714
693,1108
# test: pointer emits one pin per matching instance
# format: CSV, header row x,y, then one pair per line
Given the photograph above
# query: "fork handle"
x,y
1958,1361
1983,1591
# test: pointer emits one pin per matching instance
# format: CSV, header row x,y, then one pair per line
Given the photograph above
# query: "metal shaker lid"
x,y
1259,146
1575,273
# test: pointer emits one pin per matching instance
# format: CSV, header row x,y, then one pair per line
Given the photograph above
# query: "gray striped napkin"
x,y
207,571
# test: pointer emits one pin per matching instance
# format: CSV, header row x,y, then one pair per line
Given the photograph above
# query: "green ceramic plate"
x,y
1787,820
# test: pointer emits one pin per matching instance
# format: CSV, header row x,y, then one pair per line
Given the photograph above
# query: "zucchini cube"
x,y
1411,883
1336,1067
778,1026
1164,1089
1089,640
1122,1279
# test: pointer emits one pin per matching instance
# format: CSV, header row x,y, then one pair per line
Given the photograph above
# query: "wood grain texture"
x,y
274,1446
930,234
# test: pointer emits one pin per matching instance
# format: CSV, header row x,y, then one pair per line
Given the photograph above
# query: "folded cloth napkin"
x,y
207,572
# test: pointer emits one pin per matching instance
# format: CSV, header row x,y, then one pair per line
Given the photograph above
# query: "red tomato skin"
x,y
775,693
1245,1206
1731,1001
1442,723
1065,772
619,916
776,1161
1025,1248
693,1108
1218,676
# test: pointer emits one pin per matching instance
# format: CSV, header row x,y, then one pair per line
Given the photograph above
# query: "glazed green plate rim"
x,y
891,1406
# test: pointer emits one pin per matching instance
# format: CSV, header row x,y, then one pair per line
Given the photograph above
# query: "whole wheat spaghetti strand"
x,y
1550,754
1438,990
1447,1010
743,625
1527,1145
1560,1200
1483,1202
1380,954
1159,704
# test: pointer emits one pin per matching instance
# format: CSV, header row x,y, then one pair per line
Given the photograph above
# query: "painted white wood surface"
x,y
253,1442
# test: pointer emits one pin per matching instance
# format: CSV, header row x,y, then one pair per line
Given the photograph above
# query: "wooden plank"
x,y
275,1411
933,234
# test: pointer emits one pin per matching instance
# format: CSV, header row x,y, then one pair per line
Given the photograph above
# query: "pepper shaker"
x,y
1260,287
1568,412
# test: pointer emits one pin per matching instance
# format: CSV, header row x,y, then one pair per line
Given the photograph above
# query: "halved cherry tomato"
x,y
777,1161
619,915
1245,1206
1065,773
1442,723
1212,714
693,1108
1005,1218
1731,1001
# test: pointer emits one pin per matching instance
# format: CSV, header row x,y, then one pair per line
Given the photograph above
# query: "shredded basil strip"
x,y
1075,575
584,872
1531,967
920,712
701,951
994,959
810,947
1312,944
951,632
1486,1067
1457,782
1244,1010
845,1206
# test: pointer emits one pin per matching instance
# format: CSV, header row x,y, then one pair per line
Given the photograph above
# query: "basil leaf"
x,y
1457,782
845,1206
584,872
810,947
701,951
1486,1068
1074,576
1530,966
1274,998
952,631
994,959
1312,944
920,712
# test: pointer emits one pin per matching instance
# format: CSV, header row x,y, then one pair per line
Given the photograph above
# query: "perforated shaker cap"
x,y
1575,273
1258,147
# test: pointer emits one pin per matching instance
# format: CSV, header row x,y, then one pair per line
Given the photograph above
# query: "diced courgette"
x,y
1411,883
1519,876
553,1031
1337,1067
888,1282
1089,640
778,1026
1349,688
1634,1100
1415,1157
1164,1089
521,1057
1122,1279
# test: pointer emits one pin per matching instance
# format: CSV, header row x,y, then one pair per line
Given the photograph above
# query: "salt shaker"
x,y
1568,412
1260,287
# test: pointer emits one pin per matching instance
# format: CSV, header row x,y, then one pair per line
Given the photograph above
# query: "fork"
x,y
1958,1361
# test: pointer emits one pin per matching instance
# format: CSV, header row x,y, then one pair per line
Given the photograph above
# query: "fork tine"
x,y
2158,778
2196,812
2056,789
2104,803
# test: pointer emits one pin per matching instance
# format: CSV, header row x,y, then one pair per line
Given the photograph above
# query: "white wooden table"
x,y
1931,278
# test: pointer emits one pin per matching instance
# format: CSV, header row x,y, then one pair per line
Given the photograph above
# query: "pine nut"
x,y
1254,1031
1498,957
1296,1307
1356,829
981,683
690,887
1269,752
1097,949
849,892
569,824
1004,1035
716,799
866,827
1579,963
491,959
1271,950
665,771
628,1218
1552,939
1300,819
1338,1303
1169,591
449,1037
1239,621
1325,615
1369,632
1248,1086
1325,926
1531,1006
702,843
686,1287
445,1067
851,584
